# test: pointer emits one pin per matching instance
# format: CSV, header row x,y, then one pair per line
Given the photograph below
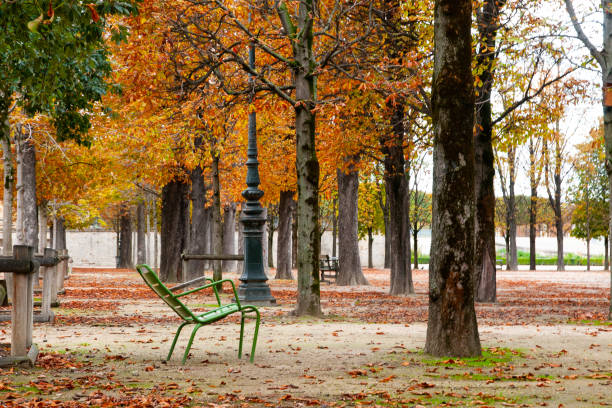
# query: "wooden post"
x,y
46,292
21,313
60,271
53,272
48,285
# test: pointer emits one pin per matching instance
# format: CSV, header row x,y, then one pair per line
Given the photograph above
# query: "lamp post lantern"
x,y
253,288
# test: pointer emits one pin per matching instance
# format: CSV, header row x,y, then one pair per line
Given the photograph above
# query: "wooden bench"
x,y
203,319
328,267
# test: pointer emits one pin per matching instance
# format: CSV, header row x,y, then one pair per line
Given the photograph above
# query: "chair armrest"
x,y
214,285
188,283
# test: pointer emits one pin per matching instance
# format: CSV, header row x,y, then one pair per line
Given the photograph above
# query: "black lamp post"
x,y
253,289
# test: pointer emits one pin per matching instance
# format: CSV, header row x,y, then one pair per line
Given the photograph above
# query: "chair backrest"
x,y
152,280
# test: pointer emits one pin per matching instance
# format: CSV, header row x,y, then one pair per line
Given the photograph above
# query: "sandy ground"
x,y
116,347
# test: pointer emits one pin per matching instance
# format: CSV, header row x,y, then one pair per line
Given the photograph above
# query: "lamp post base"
x,y
256,294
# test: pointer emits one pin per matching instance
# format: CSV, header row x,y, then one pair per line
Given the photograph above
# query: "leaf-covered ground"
x,y
545,343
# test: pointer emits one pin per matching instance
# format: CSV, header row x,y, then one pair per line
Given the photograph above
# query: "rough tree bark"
x,y
229,236
385,210
533,204
294,247
217,227
512,260
396,185
370,245
270,235
307,164
175,204
198,224
484,257
9,183
349,264
606,257
452,329
125,237
141,233
334,226
283,241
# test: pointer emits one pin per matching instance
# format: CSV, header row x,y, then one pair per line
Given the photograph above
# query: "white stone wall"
x,y
99,249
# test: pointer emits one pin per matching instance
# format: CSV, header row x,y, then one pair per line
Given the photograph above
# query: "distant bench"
x,y
328,267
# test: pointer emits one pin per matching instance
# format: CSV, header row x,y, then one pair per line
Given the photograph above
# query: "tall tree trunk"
x,y
451,328
294,246
125,237
370,245
607,255
283,240
415,236
385,209
511,211
533,181
9,183
147,231
198,225
229,236
349,271
588,225
155,235
141,245
217,241
270,243
307,165
334,226
175,205
396,187
558,210
396,184
484,257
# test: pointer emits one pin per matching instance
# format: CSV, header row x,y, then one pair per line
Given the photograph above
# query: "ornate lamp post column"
x,y
253,289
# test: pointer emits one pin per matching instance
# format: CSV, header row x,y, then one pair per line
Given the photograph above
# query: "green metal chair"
x,y
211,316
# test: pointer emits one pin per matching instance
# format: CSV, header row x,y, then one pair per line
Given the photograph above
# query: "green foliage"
x,y
420,210
371,189
590,190
54,59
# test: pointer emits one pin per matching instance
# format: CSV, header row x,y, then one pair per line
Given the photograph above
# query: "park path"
x,y
543,345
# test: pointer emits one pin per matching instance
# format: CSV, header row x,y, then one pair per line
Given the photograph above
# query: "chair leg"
x,y
255,335
191,341
242,317
176,336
